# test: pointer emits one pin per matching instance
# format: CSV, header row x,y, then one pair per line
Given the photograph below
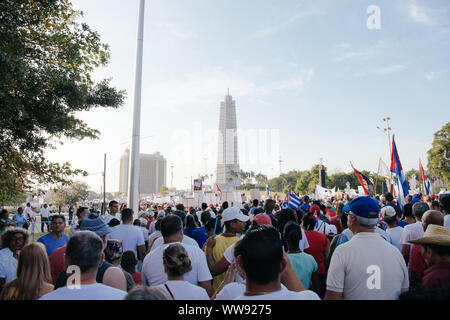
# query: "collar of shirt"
x,y
437,267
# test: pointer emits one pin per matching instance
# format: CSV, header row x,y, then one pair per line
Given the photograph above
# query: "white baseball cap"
x,y
232,213
387,212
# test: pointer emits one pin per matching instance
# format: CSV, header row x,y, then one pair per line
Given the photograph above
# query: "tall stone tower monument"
x,y
227,176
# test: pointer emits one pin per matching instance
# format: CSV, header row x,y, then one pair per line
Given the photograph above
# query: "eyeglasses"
x,y
17,239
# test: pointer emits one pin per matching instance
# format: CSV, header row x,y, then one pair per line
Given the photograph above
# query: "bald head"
x,y
432,217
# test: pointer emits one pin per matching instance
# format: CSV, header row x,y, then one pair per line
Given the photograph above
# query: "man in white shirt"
x,y
444,200
113,210
392,228
153,268
366,267
205,208
45,214
413,231
84,253
31,216
260,255
131,237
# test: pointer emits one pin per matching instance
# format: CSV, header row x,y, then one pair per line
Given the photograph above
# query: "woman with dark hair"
x,y
286,215
13,240
408,216
176,264
191,225
318,248
304,265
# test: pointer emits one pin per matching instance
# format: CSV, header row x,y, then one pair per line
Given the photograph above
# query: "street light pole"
x,y
133,185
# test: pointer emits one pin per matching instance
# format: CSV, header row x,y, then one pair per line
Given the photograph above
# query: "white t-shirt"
x,y
153,236
130,236
152,228
153,269
396,234
367,268
44,212
95,291
29,213
107,219
447,221
303,244
144,232
231,291
183,290
186,240
199,214
75,227
283,294
412,231
8,265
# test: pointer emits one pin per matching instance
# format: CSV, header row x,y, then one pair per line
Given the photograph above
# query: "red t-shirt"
x,y
416,261
57,262
437,276
317,245
137,277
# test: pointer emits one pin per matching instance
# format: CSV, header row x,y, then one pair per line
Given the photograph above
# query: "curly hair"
x,y
10,232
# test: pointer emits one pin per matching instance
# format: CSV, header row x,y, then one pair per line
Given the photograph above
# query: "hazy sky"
x,y
309,76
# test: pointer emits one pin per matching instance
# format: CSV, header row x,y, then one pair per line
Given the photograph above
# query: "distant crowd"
x,y
362,248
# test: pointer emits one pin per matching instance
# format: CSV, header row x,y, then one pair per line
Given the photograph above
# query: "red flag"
x,y
366,184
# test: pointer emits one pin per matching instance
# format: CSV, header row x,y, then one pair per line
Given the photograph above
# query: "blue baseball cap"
x,y
365,207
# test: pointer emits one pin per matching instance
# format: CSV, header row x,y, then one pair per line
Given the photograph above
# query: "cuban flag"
x,y
285,203
267,188
424,179
219,191
294,201
396,167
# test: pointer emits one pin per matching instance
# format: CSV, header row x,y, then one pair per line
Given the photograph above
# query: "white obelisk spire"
x,y
133,185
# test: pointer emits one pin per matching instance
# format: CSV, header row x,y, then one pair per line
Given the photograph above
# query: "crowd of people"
x,y
362,248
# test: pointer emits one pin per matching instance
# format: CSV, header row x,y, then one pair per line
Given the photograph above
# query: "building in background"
x,y
153,171
227,176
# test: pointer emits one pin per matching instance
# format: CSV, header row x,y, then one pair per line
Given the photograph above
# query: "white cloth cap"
x,y
232,213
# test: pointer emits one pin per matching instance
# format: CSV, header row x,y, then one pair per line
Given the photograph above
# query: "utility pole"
x,y
104,186
171,176
387,131
280,161
133,185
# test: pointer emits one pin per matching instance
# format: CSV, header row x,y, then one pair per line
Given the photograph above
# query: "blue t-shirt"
x,y
303,265
20,219
200,236
51,243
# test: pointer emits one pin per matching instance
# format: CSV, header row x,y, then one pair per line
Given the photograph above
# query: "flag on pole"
x,y
365,182
220,191
424,179
285,203
267,188
294,201
396,167
338,196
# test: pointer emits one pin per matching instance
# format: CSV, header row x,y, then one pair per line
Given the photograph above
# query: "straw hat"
x,y
436,235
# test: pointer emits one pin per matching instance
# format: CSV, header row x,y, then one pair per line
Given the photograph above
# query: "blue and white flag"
x,y
294,201
396,167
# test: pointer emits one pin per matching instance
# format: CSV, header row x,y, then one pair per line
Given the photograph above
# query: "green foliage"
x,y
439,155
163,190
46,57
71,194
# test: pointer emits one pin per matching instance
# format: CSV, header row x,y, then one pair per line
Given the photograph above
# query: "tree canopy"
x,y
46,60
439,154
